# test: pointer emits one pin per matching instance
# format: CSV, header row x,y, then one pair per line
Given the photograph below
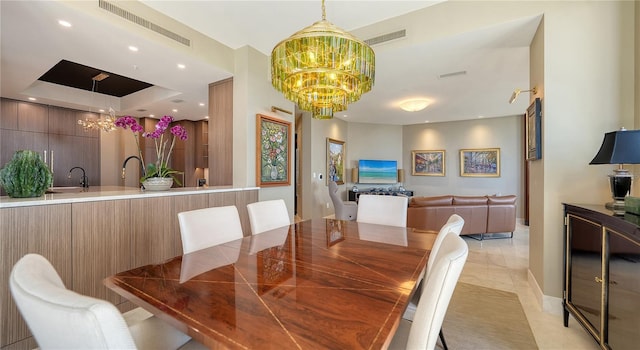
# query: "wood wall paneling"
x,y
33,117
220,133
72,151
45,230
8,114
40,128
101,246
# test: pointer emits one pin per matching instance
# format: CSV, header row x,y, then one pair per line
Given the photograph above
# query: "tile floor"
x,y
503,264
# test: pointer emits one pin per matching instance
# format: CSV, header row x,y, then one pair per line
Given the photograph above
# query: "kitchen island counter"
x,y
68,195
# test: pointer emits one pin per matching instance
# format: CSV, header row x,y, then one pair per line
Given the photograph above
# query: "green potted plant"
x,y
25,175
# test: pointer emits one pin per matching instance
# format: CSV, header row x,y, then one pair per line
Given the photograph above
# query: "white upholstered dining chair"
x,y
454,225
439,285
62,319
267,215
203,228
383,210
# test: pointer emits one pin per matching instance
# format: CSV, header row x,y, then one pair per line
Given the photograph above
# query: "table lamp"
x,y
619,147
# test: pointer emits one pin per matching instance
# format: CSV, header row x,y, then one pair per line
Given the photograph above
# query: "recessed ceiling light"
x,y
174,110
345,115
206,117
426,121
201,104
151,115
414,105
101,110
64,23
133,48
181,66
32,98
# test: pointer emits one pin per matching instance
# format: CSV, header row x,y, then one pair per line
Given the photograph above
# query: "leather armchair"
x,y
344,210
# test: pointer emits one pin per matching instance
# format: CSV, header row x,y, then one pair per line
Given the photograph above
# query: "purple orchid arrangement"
x,y
160,167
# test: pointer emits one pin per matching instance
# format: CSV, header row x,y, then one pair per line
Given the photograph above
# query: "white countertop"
x,y
103,193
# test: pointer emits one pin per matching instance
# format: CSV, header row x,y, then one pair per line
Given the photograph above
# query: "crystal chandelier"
x,y
105,123
322,68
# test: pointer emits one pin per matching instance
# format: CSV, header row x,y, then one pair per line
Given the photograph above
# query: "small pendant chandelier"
x,y
322,68
104,123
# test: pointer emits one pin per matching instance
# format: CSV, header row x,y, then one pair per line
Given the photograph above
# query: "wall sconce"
x,y
517,92
276,109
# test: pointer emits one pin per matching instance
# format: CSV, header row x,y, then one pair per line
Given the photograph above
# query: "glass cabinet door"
x,y
584,287
624,292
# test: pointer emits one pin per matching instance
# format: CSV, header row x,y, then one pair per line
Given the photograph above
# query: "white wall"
x,y
253,94
503,133
588,65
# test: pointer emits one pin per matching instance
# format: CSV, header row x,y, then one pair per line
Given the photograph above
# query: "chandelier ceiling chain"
x,y
322,68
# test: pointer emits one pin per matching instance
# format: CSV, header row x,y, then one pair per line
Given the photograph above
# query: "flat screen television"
x,y
377,171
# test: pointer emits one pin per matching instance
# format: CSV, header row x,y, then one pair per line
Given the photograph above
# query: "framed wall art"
x,y
273,154
335,161
427,163
483,162
533,130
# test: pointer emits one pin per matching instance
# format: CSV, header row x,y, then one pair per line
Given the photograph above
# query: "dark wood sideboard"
x,y
601,286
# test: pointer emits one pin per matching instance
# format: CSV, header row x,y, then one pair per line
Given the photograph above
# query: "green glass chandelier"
x,y
322,68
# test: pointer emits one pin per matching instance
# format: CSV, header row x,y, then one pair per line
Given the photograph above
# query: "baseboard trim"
x,y
549,304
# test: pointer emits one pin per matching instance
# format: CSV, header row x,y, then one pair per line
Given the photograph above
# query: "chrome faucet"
x,y
84,181
124,165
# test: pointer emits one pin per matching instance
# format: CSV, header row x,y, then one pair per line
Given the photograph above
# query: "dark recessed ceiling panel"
x,y
79,76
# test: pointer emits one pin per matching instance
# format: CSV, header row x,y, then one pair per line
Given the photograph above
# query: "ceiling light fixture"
x,y
106,123
64,23
414,105
517,92
322,68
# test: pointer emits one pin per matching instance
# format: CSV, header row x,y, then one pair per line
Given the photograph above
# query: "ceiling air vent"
x,y
143,22
386,37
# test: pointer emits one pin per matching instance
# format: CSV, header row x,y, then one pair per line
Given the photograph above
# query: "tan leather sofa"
x,y
481,214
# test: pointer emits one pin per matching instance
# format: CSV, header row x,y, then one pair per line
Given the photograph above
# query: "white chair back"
x,y
454,224
437,292
62,319
267,215
203,228
383,210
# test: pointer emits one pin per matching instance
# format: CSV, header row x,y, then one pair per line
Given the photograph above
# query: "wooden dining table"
x,y
316,284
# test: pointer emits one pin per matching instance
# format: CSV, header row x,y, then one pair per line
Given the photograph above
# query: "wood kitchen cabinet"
x,y
89,240
25,125
602,275
45,230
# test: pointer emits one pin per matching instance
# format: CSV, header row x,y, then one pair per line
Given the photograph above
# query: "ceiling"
x,y
495,59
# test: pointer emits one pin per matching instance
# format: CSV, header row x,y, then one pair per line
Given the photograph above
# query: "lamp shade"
x,y
619,147
354,175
